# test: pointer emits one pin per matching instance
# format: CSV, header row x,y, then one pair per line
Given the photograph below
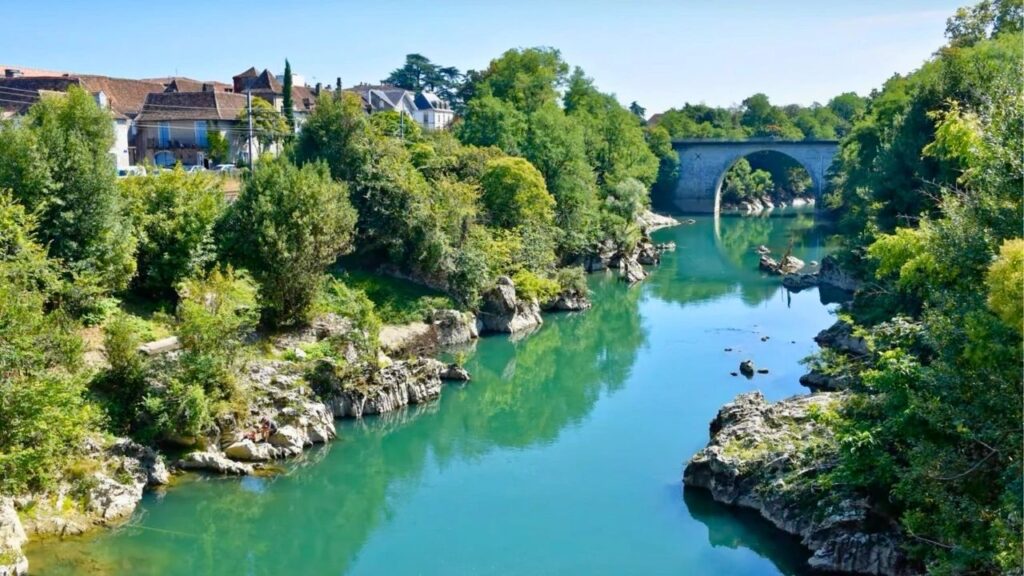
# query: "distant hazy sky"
x,y
661,53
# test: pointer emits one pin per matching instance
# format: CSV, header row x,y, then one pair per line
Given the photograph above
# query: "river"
x,y
562,456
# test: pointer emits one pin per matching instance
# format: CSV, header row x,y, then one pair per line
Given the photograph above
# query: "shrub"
x,y
175,214
529,286
572,280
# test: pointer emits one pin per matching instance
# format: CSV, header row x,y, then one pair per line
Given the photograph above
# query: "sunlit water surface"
x,y
562,456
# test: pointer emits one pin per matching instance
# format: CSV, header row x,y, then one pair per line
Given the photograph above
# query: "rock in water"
x,y
213,462
389,388
831,274
503,311
788,265
632,271
759,457
747,368
839,337
798,282
455,373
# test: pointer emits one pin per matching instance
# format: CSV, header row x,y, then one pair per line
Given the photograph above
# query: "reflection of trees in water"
x,y
718,258
752,532
316,520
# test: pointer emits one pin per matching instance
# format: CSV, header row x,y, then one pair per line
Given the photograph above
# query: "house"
x,y
426,108
431,112
175,126
123,97
271,88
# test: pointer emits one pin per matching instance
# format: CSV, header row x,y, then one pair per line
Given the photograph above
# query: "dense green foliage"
x,y
57,164
42,405
929,185
757,117
287,226
175,213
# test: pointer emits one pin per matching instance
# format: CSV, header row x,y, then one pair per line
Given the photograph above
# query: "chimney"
x,y
339,85
316,89
12,73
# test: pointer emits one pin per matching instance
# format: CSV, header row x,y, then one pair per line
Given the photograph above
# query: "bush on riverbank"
x,y
928,187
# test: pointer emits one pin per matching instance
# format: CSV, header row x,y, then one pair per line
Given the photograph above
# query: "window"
x,y
201,133
164,135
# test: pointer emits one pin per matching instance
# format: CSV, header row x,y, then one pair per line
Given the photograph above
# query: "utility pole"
x,y
248,104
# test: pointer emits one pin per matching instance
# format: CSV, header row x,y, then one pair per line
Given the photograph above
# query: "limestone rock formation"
x,y
649,221
12,536
386,389
757,459
832,274
788,265
503,311
453,327
213,462
840,337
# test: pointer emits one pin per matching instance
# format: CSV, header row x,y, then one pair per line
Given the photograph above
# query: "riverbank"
x,y
515,459
294,394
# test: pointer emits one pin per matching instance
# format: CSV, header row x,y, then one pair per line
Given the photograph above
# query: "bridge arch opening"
x,y
767,176
704,163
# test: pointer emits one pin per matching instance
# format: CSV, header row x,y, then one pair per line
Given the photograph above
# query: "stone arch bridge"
x,y
703,164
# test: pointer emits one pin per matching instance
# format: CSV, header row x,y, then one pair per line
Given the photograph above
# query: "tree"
x,y
287,106
268,125
514,194
335,133
638,111
175,215
526,78
57,163
489,121
286,227
217,147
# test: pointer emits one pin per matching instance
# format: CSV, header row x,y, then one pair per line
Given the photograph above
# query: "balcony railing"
x,y
156,144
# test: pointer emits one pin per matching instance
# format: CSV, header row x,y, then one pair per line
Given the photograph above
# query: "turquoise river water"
x,y
562,456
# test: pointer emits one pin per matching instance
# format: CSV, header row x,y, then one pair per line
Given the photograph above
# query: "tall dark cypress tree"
x,y
289,108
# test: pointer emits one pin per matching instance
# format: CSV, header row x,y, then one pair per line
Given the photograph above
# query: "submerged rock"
x,y
503,311
798,282
758,457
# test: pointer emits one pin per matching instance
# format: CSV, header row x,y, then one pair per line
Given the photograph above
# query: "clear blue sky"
x,y
660,53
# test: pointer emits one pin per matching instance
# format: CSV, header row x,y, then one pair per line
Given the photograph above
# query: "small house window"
x,y
164,134
201,133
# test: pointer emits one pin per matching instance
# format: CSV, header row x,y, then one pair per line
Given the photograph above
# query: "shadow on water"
x,y
737,528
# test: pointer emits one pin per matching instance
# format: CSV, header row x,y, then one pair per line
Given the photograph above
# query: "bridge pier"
x,y
703,164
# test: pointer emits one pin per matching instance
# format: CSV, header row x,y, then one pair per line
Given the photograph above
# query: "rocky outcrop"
x,y
649,221
831,274
12,536
799,282
383,390
455,373
840,338
569,301
632,272
820,382
788,265
405,339
213,462
453,327
105,495
502,311
758,458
